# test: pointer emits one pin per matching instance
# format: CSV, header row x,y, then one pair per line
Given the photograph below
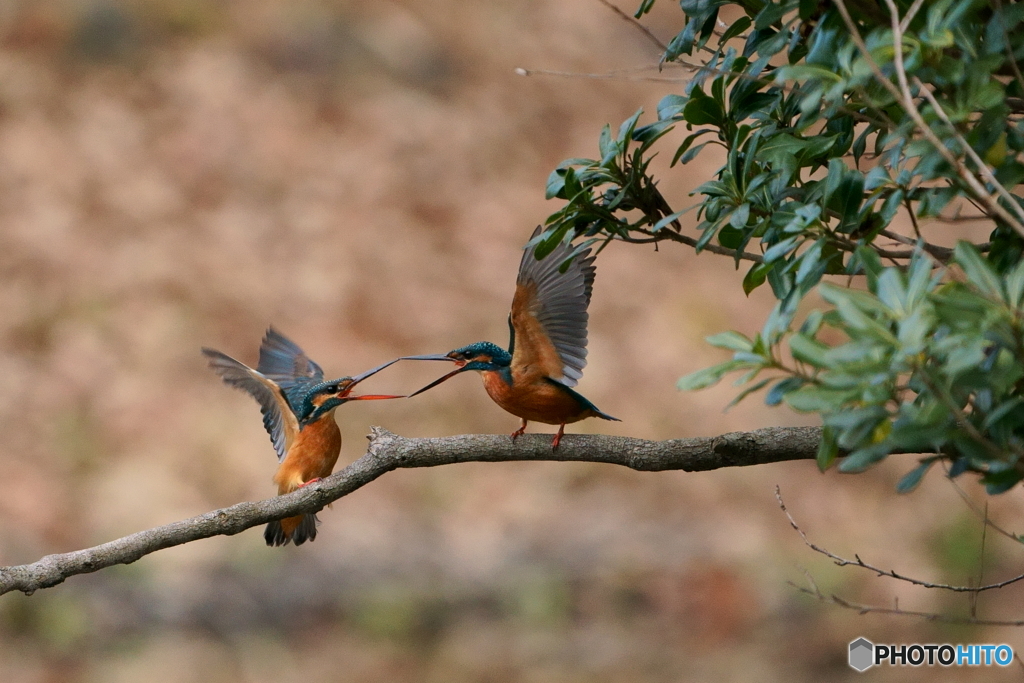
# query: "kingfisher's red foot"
x,y
519,432
558,438
311,481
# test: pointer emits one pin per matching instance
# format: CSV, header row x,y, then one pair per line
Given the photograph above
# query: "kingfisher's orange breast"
x,y
534,399
313,454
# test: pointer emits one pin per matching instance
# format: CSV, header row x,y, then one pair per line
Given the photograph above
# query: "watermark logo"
x,y
864,654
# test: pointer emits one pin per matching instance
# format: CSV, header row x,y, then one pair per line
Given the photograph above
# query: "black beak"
x,y
373,371
439,380
429,356
369,373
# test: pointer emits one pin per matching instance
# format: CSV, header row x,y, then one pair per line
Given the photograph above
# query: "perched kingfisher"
x,y
547,348
298,412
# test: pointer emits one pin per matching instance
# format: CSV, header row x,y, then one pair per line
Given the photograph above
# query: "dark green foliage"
x,y
821,153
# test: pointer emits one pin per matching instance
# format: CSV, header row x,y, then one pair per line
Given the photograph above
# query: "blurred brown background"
x,y
179,173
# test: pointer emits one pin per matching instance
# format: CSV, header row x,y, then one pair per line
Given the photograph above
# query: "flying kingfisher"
x,y
547,348
298,412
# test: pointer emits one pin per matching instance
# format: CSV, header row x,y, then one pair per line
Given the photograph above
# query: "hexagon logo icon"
x,y
862,654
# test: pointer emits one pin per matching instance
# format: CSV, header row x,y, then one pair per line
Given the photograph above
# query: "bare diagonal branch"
x,y
834,599
857,562
389,451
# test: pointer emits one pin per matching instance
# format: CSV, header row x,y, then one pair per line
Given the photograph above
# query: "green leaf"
x,y
755,277
628,126
748,391
738,27
739,217
778,392
708,376
862,458
555,185
805,72
548,244
686,145
909,481
828,448
1015,286
702,110
692,153
667,220
808,350
1000,482
777,251
606,143
730,340
817,399
977,269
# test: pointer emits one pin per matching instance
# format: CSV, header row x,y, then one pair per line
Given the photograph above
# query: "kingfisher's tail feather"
x,y
295,530
605,416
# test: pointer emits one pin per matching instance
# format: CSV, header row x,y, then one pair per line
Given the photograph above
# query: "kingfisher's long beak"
x,y
372,397
462,368
369,373
429,356
372,371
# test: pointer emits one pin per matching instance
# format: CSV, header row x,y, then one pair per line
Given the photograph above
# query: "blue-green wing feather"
x,y
278,417
286,364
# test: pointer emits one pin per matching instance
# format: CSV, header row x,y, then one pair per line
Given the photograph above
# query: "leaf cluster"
x,y
820,151
924,363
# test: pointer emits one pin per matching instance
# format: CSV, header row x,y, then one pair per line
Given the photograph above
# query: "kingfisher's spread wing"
x,y
278,418
283,362
549,313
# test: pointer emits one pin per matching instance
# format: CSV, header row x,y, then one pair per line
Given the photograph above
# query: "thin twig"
x,y
635,22
910,15
842,562
941,254
973,598
677,236
976,510
617,75
815,592
911,108
983,168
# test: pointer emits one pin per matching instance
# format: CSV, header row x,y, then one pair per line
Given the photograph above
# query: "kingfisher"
x,y
547,348
298,412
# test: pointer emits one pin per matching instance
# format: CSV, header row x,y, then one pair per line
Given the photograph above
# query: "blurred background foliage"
x,y
177,173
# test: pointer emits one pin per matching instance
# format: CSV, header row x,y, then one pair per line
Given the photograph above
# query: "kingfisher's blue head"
x,y
324,397
481,356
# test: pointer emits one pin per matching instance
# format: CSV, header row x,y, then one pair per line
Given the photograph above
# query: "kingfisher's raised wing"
x,y
278,417
548,322
283,362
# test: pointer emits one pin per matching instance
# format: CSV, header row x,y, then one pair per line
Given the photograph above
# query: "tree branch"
x,y
834,599
389,451
857,562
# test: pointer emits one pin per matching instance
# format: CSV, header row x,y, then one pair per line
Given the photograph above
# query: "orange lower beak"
x,y
372,397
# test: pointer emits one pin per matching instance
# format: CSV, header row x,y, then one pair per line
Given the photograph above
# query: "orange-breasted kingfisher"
x,y
547,348
298,412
